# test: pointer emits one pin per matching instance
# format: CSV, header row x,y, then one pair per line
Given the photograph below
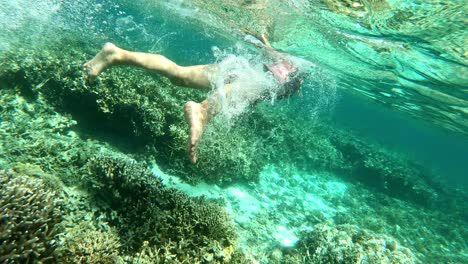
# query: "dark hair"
x,y
294,84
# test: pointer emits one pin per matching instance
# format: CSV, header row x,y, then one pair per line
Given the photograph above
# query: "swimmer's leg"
x,y
198,76
199,114
197,118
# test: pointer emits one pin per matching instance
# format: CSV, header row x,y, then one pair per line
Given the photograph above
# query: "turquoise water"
x,y
367,165
435,147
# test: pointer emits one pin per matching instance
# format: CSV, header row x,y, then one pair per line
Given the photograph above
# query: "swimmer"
x,y
199,77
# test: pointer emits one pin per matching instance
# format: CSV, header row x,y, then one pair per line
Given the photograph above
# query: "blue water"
x,y
436,148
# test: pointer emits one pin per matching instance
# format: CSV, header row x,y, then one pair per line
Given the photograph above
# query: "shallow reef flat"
x,y
276,190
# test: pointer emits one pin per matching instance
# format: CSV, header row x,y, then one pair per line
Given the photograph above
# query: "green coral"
x,y
84,243
240,153
155,220
35,135
29,215
123,101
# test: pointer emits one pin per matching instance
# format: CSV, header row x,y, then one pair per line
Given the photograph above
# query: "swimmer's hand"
x,y
259,40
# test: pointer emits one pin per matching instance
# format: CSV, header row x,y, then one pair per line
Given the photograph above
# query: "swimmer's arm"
x,y
260,37
265,41
266,45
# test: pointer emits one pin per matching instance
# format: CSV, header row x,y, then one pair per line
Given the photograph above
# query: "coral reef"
x,y
350,244
84,243
424,230
29,215
124,102
86,236
387,172
40,142
158,222
47,143
240,153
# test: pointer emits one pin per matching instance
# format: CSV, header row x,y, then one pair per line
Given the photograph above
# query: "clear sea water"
x,y
394,72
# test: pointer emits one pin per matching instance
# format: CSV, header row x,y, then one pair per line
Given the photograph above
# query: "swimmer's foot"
x,y
105,58
196,116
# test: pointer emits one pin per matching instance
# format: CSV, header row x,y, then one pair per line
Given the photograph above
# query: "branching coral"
x,y
83,243
158,220
28,220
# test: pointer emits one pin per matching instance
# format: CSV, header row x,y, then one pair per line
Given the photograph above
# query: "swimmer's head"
x,y
302,74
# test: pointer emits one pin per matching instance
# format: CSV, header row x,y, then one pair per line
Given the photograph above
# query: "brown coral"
x,y
28,217
350,244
